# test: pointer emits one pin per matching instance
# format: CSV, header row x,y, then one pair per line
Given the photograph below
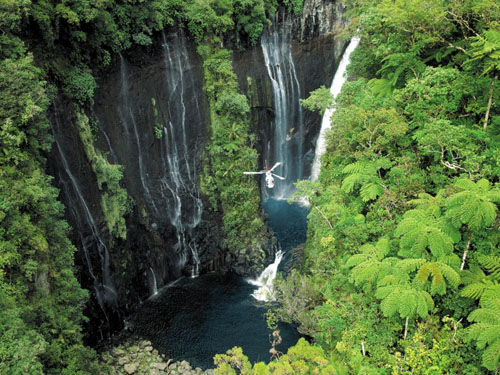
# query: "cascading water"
x,y
128,120
285,143
338,80
265,292
179,178
102,283
170,187
154,284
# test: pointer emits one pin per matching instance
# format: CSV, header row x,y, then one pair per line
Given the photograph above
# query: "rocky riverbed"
x,y
140,358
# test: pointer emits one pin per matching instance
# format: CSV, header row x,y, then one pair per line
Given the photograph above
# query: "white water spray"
x,y
338,81
128,120
266,292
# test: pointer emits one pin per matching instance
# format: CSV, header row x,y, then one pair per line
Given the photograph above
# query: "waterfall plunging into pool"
x,y
285,143
337,82
196,318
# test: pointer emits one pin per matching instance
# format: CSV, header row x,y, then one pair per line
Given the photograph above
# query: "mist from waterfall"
x,y
285,144
101,281
337,82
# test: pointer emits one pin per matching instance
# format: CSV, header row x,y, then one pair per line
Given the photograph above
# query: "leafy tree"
x,y
473,206
319,100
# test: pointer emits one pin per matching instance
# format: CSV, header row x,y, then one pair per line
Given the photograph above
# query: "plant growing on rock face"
x,y
115,202
229,153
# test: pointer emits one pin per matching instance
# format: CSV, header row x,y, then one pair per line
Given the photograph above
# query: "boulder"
x,y
130,368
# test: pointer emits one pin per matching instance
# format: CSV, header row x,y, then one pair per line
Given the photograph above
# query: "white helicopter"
x,y
269,175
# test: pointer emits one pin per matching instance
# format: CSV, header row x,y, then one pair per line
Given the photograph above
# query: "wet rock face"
x,y
319,17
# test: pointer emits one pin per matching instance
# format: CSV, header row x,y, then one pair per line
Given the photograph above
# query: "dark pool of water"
x,y
194,319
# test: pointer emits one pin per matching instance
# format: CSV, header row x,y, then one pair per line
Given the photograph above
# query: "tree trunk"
x,y
363,348
324,217
467,246
406,328
490,102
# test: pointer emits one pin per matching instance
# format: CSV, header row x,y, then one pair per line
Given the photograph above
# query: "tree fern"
x,y
485,329
364,173
404,300
476,280
370,266
492,264
371,191
423,234
441,275
474,206
426,201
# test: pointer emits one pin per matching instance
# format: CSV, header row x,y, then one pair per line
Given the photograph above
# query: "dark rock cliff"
x,y
150,115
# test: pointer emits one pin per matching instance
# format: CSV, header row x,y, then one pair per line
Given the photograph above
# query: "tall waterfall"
x,y
179,162
286,141
102,282
338,80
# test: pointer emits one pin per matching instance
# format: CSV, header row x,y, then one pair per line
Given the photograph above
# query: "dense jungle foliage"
x,y
50,48
401,268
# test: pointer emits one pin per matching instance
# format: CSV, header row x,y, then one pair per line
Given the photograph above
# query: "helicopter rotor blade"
x,y
275,165
275,175
261,172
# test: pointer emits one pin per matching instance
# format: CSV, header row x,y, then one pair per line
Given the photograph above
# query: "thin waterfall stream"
x,y
103,285
337,82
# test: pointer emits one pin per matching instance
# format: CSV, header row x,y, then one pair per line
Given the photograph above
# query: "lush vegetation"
x,y
40,299
401,269
115,202
230,153
401,265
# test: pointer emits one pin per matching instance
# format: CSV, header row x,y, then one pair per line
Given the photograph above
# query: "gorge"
x,y
152,119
